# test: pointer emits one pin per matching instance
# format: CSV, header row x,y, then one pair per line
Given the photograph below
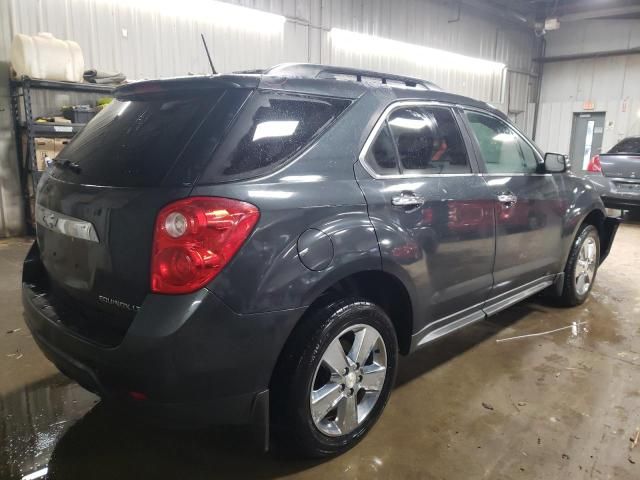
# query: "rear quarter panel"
x,y
316,190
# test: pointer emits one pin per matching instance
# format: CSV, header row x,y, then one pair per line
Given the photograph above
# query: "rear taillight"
x,y
195,238
594,165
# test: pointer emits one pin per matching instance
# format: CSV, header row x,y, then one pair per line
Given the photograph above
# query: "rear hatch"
x,y
621,165
97,205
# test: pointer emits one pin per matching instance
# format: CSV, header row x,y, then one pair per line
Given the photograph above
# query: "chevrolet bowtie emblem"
x,y
65,224
50,220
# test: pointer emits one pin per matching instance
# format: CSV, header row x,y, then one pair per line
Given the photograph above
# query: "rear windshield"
x,y
135,142
271,128
628,145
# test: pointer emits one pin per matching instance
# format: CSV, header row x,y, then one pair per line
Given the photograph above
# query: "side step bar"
x,y
426,335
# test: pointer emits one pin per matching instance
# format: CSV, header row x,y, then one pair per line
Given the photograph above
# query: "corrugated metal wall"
x,y
612,84
135,37
11,218
435,25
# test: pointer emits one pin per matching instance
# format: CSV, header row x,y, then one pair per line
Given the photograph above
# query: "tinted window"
x,y
428,141
501,147
382,153
628,145
136,142
528,153
270,129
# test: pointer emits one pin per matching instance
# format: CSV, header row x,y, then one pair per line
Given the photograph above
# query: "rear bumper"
x,y
622,202
194,359
611,196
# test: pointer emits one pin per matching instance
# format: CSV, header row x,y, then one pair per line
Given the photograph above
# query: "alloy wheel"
x,y
585,266
348,380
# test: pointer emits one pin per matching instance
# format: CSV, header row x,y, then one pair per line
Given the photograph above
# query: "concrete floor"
x,y
561,405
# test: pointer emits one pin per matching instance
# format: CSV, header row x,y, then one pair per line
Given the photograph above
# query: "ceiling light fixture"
x,y
275,128
370,44
211,11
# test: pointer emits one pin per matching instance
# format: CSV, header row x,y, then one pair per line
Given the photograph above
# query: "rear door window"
x,y
135,142
428,141
270,129
381,156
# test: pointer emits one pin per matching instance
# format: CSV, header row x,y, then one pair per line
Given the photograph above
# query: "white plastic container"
x,y
45,57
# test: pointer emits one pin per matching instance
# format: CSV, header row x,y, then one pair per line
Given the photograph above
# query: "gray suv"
x,y
260,247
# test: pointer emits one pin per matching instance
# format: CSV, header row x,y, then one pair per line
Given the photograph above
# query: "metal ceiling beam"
x,y
503,13
582,56
601,13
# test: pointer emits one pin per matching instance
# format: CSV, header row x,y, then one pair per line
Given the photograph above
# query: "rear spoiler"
x,y
191,83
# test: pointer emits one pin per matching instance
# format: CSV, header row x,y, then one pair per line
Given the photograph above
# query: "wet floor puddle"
x,y
33,419
55,429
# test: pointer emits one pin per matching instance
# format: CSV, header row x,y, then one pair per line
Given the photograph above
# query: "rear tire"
x,y
582,266
323,369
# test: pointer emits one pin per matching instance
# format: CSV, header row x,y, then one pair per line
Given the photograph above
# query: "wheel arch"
x,y
380,287
591,214
606,226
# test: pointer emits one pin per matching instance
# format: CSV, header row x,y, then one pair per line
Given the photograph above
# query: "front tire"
x,y
582,266
334,378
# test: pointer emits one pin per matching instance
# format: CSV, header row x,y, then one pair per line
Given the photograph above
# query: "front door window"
x,y
501,147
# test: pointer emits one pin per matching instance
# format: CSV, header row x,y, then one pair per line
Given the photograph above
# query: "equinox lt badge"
x,y
118,303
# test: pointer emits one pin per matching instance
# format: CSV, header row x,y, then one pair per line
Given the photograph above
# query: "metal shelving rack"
x,y
24,124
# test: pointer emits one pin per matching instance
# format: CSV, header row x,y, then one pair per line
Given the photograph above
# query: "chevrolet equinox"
x,y
260,247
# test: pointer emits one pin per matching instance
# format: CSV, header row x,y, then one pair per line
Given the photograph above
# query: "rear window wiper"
x,y
68,165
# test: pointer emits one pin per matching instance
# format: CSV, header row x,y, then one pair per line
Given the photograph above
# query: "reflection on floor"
x,y
560,405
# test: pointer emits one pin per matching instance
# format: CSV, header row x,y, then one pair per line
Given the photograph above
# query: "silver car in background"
x,y
616,174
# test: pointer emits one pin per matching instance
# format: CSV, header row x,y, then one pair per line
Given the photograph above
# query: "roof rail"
x,y
310,70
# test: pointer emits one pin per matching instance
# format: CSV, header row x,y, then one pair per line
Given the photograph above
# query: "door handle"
x,y
507,198
407,199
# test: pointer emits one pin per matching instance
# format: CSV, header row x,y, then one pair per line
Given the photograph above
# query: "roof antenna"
x,y
206,49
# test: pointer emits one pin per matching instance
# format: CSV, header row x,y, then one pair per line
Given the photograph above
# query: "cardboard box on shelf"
x,y
48,148
60,143
45,148
52,119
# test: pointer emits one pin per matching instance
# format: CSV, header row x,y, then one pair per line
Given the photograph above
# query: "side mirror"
x,y
555,162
